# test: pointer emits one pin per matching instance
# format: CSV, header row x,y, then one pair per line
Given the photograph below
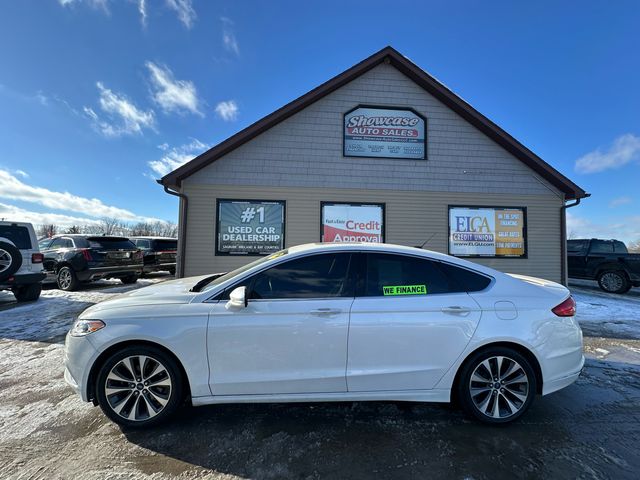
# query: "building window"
x,y
488,231
249,227
351,222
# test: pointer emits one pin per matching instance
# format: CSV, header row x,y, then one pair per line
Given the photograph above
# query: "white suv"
x,y
20,261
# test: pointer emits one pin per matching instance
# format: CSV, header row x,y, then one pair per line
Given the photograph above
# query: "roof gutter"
x,y
182,234
563,238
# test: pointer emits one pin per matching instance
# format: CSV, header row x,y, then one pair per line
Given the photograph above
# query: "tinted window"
x,y
111,243
19,236
394,275
619,247
316,276
601,246
161,245
142,243
467,280
576,246
61,243
44,243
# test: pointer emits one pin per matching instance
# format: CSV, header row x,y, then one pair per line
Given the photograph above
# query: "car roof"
x,y
145,237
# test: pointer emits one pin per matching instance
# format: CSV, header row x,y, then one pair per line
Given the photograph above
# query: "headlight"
x,y
85,327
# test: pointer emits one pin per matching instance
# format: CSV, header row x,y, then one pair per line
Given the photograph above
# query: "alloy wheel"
x,y
64,278
612,282
5,260
138,388
499,387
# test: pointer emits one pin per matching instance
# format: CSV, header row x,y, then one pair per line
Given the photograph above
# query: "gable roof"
x,y
423,79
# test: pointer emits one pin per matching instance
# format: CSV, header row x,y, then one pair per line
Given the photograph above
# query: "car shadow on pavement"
x,y
563,435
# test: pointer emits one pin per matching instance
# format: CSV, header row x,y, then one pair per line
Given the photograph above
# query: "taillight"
x,y
86,254
37,258
566,308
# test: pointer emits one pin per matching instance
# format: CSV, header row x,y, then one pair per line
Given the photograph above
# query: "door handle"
x,y
325,311
456,310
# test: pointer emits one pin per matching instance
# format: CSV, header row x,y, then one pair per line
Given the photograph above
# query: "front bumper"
x,y
79,355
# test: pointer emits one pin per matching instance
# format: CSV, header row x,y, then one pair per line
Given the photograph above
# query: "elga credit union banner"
x,y
250,227
487,232
383,132
352,223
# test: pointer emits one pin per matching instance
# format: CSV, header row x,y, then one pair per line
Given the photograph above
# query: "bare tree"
x,y
74,229
47,230
142,229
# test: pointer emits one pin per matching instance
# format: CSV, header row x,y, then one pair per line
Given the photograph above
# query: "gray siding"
x,y
306,149
411,218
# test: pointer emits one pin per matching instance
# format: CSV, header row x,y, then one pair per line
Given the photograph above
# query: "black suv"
x,y
70,260
159,253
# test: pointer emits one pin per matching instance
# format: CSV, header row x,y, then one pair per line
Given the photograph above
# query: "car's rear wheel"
x,y
614,282
139,386
67,279
27,293
497,385
129,279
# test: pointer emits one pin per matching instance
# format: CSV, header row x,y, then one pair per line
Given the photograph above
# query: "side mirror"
x,y
237,299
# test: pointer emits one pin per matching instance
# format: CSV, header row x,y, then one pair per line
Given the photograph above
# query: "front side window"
x,y
398,275
316,276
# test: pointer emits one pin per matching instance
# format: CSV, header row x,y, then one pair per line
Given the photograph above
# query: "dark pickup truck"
x,y
607,261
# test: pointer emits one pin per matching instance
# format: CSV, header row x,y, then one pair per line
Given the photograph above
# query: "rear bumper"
x,y
157,267
560,383
25,279
96,273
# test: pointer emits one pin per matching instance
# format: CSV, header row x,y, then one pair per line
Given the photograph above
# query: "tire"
x,y
614,282
129,279
27,293
132,403
10,260
513,397
172,272
67,279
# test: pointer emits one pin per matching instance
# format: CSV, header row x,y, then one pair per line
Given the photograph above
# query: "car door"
x,y
54,253
409,323
292,335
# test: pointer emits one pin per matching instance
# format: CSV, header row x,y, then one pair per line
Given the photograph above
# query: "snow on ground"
x,y
603,314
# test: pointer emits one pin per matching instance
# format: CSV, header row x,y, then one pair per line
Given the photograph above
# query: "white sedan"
x,y
329,322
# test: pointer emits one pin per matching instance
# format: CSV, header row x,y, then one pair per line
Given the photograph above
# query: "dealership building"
x,y
381,152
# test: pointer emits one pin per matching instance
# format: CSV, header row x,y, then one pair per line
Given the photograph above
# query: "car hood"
x,y
170,292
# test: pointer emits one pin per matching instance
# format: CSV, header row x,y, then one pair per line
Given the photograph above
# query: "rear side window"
x,y
19,236
601,246
619,247
467,280
160,245
399,275
111,243
316,276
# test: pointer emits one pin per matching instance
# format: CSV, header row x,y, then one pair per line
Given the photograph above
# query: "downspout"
x,y
563,239
182,234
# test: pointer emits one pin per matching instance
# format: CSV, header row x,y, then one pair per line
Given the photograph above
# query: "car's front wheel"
x,y
139,386
130,279
497,385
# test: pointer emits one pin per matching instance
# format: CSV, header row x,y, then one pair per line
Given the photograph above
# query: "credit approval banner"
x,y
384,132
343,222
487,232
250,227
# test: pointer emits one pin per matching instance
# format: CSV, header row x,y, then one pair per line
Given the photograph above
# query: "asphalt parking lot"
x,y
588,430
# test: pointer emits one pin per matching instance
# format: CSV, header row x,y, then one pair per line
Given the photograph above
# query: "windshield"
x,y
244,268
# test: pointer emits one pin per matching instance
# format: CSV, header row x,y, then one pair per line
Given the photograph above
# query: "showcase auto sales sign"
x,y
384,132
352,223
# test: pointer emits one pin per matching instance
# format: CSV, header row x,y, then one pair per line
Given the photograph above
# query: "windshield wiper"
x,y
206,281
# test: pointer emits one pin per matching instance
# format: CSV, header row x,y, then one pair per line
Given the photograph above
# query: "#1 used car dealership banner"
x,y
487,232
352,223
250,227
384,132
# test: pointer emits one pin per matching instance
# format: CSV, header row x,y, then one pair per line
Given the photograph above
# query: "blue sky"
x,y
99,97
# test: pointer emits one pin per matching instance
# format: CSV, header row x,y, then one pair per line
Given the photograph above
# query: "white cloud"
x,y
172,95
14,189
142,10
184,10
175,157
228,110
625,149
626,228
616,202
98,4
16,214
22,173
228,36
123,117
